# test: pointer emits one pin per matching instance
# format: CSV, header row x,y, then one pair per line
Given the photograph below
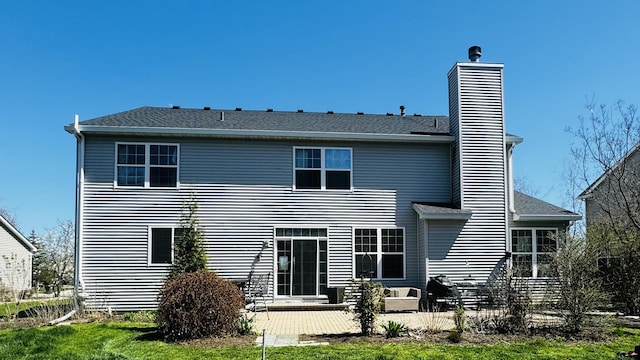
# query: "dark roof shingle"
x,y
157,117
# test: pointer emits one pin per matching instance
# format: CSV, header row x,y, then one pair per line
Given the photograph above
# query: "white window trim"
x,y
323,169
379,251
147,166
292,238
534,247
149,241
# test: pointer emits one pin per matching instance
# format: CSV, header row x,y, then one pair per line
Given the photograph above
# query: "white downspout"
x,y
512,206
79,285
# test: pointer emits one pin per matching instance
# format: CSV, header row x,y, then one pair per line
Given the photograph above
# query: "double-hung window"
x,y
322,168
146,165
161,243
532,249
379,253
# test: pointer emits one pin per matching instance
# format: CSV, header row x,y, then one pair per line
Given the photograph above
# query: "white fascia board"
x,y
513,139
542,217
463,216
18,235
267,134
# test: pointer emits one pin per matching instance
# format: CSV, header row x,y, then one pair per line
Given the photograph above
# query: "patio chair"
x,y
258,287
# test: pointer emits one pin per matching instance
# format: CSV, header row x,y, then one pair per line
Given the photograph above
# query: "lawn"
x,y
124,340
10,308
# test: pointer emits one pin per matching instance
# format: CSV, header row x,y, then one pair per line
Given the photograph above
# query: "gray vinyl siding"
x,y
454,118
10,246
475,247
422,255
244,190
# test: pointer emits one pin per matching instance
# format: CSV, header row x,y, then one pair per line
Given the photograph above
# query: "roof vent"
x,y
269,110
359,113
389,114
417,115
402,110
475,52
175,107
238,109
221,115
207,108
300,110
330,112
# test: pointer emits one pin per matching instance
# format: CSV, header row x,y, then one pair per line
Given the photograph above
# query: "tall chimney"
x,y
479,162
475,52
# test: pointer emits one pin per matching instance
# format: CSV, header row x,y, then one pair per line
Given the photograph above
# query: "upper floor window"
x,y
532,249
322,168
147,165
379,253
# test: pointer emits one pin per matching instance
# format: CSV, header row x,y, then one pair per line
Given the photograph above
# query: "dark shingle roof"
x,y
157,117
528,208
529,205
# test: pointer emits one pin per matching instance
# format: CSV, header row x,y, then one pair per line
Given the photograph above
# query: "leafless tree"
x,y
7,215
58,246
14,281
606,160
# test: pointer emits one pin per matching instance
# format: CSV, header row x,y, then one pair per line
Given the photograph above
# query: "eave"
x,y
18,235
447,214
546,217
259,134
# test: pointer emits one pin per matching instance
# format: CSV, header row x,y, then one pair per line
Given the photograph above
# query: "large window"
x,y
379,253
531,250
161,244
322,168
147,165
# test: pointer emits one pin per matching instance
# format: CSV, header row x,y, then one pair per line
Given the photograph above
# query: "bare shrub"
x,y
433,321
576,283
513,306
197,305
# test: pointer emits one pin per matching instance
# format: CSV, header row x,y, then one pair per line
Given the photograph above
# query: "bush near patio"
x,y
197,305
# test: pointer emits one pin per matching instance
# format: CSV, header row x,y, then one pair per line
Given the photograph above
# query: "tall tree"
x,y
43,272
607,142
59,250
189,251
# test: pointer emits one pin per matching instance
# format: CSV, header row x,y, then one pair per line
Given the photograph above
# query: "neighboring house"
x,y
16,255
315,199
615,195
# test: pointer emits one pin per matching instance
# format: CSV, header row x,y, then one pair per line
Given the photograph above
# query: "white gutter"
x,y
270,134
18,234
78,279
547,217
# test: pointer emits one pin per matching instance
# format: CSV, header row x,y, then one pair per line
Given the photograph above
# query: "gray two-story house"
x,y
314,199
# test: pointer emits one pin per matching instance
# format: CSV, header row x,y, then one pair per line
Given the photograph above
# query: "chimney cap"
x,y
475,52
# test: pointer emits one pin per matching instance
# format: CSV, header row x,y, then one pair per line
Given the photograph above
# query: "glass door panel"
x,y
305,264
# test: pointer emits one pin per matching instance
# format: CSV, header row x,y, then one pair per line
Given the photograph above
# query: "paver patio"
x,y
338,322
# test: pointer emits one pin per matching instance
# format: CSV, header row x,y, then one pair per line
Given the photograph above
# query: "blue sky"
x,y
95,58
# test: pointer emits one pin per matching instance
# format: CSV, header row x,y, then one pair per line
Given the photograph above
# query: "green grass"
x,y
10,307
122,340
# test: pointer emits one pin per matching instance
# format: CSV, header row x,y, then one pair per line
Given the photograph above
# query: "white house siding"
x,y
9,247
479,166
244,189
